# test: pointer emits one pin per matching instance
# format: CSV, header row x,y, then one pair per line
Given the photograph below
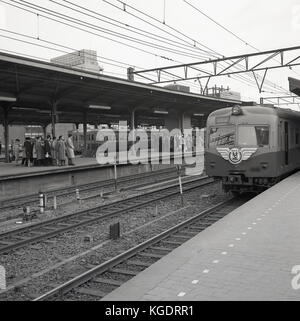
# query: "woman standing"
x,y
61,151
70,150
40,153
16,151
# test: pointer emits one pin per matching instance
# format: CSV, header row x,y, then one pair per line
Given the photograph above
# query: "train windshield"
x,y
221,136
253,136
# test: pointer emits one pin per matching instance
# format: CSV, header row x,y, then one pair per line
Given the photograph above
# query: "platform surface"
x,y
247,255
11,170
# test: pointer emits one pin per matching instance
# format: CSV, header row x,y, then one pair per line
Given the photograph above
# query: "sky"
x,y
262,24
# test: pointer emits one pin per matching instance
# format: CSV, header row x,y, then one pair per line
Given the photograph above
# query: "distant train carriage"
x,y
250,148
93,144
156,145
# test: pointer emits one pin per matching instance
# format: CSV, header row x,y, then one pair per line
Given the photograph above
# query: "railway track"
x,y
84,188
102,279
18,238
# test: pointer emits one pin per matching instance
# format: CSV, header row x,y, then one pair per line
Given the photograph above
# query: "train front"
x,y
238,148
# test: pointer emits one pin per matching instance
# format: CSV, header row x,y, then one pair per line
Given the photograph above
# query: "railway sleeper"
x,y
158,248
5,243
123,271
138,263
107,281
181,236
188,233
151,255
91,292
177,243
195,229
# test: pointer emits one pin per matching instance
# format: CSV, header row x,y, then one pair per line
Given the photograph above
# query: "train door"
x,y
286,142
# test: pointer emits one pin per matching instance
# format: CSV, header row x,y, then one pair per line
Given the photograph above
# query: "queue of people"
x,y
43,152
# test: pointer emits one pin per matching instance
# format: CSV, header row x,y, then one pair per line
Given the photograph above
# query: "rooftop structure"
x,y
83,59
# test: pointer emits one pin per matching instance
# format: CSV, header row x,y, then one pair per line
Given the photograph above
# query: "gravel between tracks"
x,y
37,259
64,202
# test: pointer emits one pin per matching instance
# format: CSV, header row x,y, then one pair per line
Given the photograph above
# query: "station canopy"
x,y
36,86
294,86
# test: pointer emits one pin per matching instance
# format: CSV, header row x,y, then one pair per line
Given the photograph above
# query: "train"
x,y
120,137
251,148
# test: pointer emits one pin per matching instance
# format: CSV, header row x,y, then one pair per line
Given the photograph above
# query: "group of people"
x,y
43,152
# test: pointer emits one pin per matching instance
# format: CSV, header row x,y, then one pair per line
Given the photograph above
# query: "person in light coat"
x,y
61,151
70,150
54,151
16,151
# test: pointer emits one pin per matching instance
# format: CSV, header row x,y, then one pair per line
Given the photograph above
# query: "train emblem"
x,y
236,155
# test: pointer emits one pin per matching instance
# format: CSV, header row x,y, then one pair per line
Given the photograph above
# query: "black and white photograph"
x,y
149,153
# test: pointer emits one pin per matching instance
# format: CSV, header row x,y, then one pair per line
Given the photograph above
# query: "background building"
x,y
84,59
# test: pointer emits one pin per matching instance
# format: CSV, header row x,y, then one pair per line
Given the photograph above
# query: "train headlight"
x,y
236,110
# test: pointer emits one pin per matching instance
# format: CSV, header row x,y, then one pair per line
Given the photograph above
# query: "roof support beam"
x,y
260,86
281,100
261,61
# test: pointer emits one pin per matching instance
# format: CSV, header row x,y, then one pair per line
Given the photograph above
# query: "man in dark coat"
x,y
28,151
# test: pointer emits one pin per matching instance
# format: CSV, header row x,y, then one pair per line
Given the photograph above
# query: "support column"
x,y
133,126
53,118
85,132
6,134
44,131
173,120
133,119
186,121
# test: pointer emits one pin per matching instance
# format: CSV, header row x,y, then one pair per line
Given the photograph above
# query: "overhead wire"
x,y
126,26
99,29
73,26
40,37
174,29
230,32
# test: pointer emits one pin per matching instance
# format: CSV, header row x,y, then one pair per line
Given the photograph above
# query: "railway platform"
x,y
253,253
21,181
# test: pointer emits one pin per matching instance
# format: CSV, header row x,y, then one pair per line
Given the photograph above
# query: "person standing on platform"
x,y
27,151
33,152
61,151
70,150
0,147
16,151
48,151
40,152
23,155
54,152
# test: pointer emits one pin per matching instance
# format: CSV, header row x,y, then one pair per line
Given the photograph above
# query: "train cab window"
x,y
253,136
221,136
